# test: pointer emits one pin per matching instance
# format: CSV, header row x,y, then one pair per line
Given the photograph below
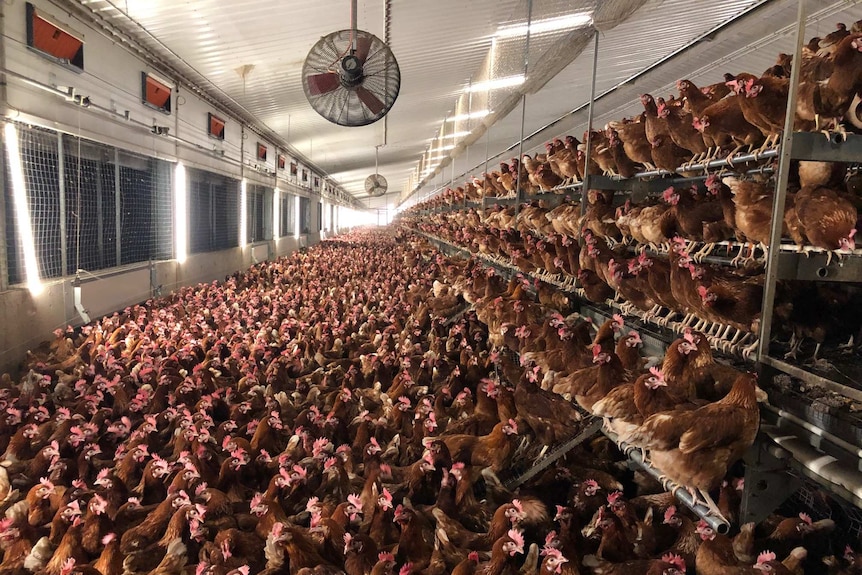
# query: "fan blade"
x,y
323,83
371,101
363,45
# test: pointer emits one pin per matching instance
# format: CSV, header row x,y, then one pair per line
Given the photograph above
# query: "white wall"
x,y
112,80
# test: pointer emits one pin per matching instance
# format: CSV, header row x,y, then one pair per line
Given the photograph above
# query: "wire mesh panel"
x,y
214,212
146,225
88,181
259,214
14,265
40,164
304,214
285,225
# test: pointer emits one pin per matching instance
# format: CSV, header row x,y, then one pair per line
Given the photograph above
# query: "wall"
x,y
111,81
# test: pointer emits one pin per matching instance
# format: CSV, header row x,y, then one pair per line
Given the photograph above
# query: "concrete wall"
x,y
117,117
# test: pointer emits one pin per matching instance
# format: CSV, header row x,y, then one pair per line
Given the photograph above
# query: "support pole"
x,y
61,173
588,153
118,215
487,147
780,197
519,194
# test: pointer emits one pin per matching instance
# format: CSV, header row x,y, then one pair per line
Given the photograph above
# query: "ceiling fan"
x,y
351,77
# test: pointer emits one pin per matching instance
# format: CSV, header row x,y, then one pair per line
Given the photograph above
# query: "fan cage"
x,y
351,106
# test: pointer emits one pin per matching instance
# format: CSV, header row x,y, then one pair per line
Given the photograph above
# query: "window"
x,y
79,201
40,163
282,162
259,224
53,41
304,215
155,93
285,214
261,152
146,222
213,213
215,126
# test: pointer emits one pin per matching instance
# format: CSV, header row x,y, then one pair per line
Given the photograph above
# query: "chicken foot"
x,y
819,362
733,152
652,313
838,129
850,346
747,351
703,252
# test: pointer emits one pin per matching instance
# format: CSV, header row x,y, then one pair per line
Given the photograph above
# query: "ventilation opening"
x,y
155,93
53,41
215,127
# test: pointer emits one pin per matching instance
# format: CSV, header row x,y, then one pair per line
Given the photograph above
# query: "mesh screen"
x,y
13,252
286,207
39,159
259,214
304,214
146,222
75,207
213,213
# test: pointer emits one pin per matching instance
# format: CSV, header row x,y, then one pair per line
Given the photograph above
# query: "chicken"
x,y
666,155
823,102
721,123
763,102
589,385
753,202
562,158
680,128
695,448
492,450
668,565
632,134
823,217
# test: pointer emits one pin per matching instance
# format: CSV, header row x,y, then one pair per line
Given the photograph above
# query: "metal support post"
x,y
118,205
780,196
588,154
519,194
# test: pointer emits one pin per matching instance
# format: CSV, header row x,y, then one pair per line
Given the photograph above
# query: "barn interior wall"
x,y
111,82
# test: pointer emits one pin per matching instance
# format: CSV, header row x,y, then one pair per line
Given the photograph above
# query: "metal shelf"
x,y
837,475
657,325
812,378
810,451
718,523
814,146
815,265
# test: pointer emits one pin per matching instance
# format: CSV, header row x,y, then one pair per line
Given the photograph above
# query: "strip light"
x,y
276,214
22,211
496,84
180,213
576,20
243,213
296,217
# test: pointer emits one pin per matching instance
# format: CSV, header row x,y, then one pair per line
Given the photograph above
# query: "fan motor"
x,y
351,69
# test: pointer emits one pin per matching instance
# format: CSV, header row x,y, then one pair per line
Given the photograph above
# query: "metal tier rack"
x,y
820,439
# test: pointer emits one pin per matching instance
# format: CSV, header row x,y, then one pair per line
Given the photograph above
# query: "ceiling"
x,y
441,47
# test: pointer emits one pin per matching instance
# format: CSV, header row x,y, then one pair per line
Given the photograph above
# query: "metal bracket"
x,y
767,480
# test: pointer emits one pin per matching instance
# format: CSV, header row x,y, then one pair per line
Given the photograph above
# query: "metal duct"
x,y
612,13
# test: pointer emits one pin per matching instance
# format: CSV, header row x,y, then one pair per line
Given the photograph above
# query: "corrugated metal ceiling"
x,y
439,45
751,45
